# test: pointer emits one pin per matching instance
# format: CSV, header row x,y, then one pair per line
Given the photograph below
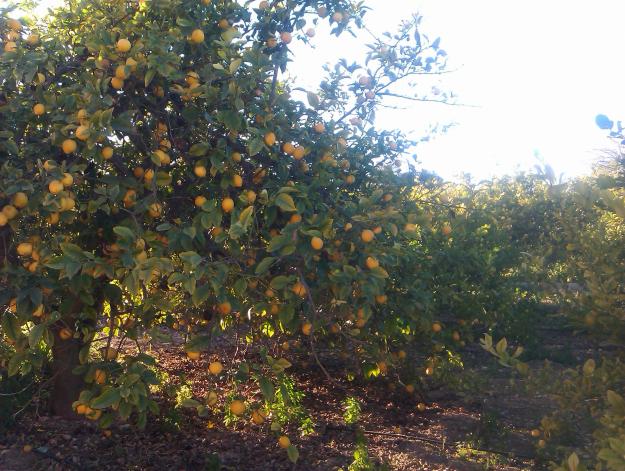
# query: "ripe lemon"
x,y
295,218
69,146
236,156
199,171
237,181
299,289
193,355
215,368
237,407
197,36
286,37
199,200
65,334
224,23
55,187
224,308
367,235
319,128
25,249
270,139
99,376
39,109
123,45
163,157
107,153
284,441
257,417
251,197
298,153
306,328
372,263
227,205
436,327
316,243
20,200
288,148
67,180
117,83
3,220
120,72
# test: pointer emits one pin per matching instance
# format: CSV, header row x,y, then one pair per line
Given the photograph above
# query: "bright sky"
x,y
538,72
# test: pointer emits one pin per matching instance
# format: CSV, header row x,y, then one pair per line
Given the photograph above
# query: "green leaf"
x,y
264,265
125,233
200,149
149,75
313,99
266,388
35,334
14,363
245,218
573,462
197,343
200,295
234,65
72,251
283,363
109,397
191,258
285,202
190,403
10,326
280,282
254,146
292,453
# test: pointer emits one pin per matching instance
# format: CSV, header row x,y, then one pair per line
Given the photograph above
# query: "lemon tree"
x,y
157,171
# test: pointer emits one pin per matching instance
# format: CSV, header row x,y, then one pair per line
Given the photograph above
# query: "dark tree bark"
x,y
66,386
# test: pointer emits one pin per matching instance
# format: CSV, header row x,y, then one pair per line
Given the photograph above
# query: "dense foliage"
x,y
158,179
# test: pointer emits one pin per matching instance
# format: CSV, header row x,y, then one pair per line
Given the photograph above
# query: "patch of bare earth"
x,y
396,433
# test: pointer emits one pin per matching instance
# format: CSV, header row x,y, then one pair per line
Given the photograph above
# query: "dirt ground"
x,y
453,433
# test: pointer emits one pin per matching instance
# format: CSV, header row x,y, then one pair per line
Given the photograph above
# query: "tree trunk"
x,y
66,385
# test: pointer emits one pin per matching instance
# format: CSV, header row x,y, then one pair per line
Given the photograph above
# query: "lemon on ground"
x,y
284,441
215,368
237,407
193,355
